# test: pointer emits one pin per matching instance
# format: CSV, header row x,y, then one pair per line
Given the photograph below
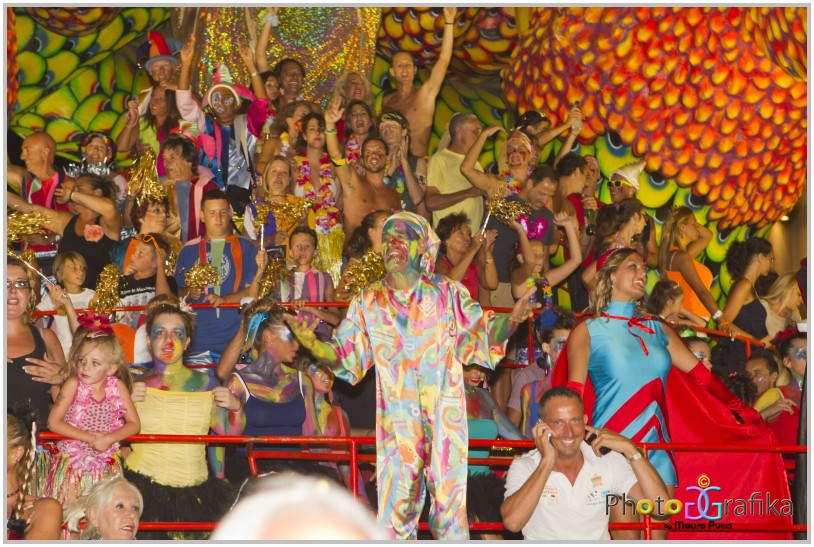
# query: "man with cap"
x,y
227,138
418,328
623,184
160,66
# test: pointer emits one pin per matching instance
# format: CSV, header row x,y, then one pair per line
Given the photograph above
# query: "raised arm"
x,y
414,189
558,274
579,353
436,79
480,180
106,208
129,135
575,123
263,40
248,59
343,171
487,271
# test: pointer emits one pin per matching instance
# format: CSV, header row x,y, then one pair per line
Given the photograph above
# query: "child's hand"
x,y
101,443
58,296
139,392
490,236
261,260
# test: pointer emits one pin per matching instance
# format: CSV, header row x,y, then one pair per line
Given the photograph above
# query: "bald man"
x,y
418,105
37,182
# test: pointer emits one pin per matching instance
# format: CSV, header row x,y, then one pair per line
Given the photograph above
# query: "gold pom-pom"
x,y
20,225
201,276
107,289
363,272
288,212
507,211
143,181
276,270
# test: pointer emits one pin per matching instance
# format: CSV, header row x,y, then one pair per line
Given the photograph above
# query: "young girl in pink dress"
x,y
94,409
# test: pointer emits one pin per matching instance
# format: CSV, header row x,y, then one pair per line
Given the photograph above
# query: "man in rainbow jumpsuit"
x,y
419,328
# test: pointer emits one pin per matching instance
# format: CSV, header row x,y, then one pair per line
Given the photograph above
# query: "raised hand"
x,y
334,112
247,55
132,113
541,433
188,51
486,133
449,14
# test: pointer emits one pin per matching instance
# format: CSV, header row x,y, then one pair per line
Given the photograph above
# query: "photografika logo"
x,y
709,509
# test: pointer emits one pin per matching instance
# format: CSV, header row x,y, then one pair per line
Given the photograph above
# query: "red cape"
x,y
695,416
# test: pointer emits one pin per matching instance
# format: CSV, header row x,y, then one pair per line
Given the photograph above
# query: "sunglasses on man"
x,y
616,183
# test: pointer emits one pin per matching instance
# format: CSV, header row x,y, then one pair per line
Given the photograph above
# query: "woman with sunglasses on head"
x,y
35,362
173,399
150,216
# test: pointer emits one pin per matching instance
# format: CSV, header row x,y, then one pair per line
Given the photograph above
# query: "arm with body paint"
x,y
228,421
348,352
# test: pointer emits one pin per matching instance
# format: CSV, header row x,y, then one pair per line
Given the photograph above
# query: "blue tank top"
x,y
629,385
269,418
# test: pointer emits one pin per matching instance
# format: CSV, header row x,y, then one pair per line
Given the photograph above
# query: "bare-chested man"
x,y
418,105
365,194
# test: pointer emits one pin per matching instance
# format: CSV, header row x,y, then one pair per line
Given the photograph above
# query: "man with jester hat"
x,y
418,328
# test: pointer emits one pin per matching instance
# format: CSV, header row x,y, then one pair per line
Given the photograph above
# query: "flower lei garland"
x,y
325,211
353,150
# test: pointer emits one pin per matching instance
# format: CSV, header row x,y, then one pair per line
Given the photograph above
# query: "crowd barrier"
x,y
748,342
353,457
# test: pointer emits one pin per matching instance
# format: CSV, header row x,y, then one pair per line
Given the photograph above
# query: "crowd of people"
x,y
291,204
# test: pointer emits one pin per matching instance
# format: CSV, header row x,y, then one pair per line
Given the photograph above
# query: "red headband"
x,y
600,262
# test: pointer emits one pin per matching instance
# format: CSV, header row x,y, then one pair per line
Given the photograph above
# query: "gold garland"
x,y
20,225
200,276
107,290
143,181
507,211
363,272
276,270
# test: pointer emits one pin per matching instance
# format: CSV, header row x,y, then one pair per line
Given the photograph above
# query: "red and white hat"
x,y
159,50
223,79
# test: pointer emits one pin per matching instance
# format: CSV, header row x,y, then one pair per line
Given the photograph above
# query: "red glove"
x,y
579,387
706,379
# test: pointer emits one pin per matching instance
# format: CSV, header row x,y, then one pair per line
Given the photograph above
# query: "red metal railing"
x,y
353,457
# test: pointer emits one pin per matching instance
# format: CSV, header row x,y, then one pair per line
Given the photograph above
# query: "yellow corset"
x,y
173,413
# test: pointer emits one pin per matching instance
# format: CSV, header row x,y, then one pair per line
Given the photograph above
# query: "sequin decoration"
x,y
327,41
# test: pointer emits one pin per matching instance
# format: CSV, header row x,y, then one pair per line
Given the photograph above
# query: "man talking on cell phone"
x,y
565,488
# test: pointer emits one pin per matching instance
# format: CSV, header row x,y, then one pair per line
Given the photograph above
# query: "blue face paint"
x,y
161,331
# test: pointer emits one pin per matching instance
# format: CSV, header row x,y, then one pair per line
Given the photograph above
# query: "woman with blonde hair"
x,y
626,355
111,510
682,240
782,303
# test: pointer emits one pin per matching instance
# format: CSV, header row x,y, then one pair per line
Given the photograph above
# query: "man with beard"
x,y
361,194
418,328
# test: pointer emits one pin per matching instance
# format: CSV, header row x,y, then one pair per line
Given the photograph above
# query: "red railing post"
x,y
354,470
648,531
531,340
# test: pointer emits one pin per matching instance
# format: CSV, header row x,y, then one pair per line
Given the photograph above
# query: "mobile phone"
x,y
602,449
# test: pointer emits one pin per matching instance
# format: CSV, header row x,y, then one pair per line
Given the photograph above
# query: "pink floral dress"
x,y
78,466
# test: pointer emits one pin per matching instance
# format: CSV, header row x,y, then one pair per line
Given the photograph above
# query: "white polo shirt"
x,y
568,512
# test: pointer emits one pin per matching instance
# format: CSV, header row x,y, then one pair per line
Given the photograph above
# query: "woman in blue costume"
x,y
485,420
619,361
626,356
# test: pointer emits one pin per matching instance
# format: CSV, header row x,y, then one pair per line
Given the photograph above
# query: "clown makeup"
x,y
400,248
322,380
223,103
168,339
